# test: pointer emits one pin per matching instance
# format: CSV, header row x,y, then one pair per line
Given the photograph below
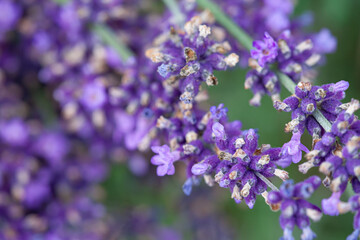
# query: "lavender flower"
x,y
330,205
324,41
165,160
93,95
218,112
11,14
265,51
292,151
295,210
114,103
14,132
307,99
190,56
239,164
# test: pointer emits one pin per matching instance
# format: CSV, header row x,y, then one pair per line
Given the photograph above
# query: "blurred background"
x,y
150,206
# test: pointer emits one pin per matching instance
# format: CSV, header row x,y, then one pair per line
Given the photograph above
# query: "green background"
x,y
216,215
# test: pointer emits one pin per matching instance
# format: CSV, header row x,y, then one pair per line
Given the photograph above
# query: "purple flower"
x,y
93,95
266,51
14,132
219,131
354,236
10,14
285,6
36,192
330,205
53,147
138,165
165,159
277,22
324,42
218,112
295,210
292,151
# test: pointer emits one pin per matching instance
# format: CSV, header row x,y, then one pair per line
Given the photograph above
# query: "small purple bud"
x,y
287,188
251,142
292,102
274,197
328,139
341,86
302,89
200,168
354,235
331,106
307,234
355,184
329,205
308,105
187,187
287,234
219,130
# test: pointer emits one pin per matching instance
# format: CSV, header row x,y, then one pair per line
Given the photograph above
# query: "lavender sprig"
x,y
247,41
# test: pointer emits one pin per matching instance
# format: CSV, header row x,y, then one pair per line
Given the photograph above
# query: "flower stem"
x,y
267,181
321,119
61,2
246,41
110,38
175,10
226,22
287,82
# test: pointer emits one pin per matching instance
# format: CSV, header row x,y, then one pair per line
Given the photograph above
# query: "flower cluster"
x,y
82,82
305,101
45,177
189,56
295,210
294,57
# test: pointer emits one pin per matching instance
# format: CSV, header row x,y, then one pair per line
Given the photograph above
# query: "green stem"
x,y
349,191
175,10
110,38
226,22
246,41
321,119
267,181
61,2
286,81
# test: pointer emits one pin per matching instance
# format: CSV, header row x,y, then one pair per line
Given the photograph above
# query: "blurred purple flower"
x,y
324,42
14,132
52,146
93,95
